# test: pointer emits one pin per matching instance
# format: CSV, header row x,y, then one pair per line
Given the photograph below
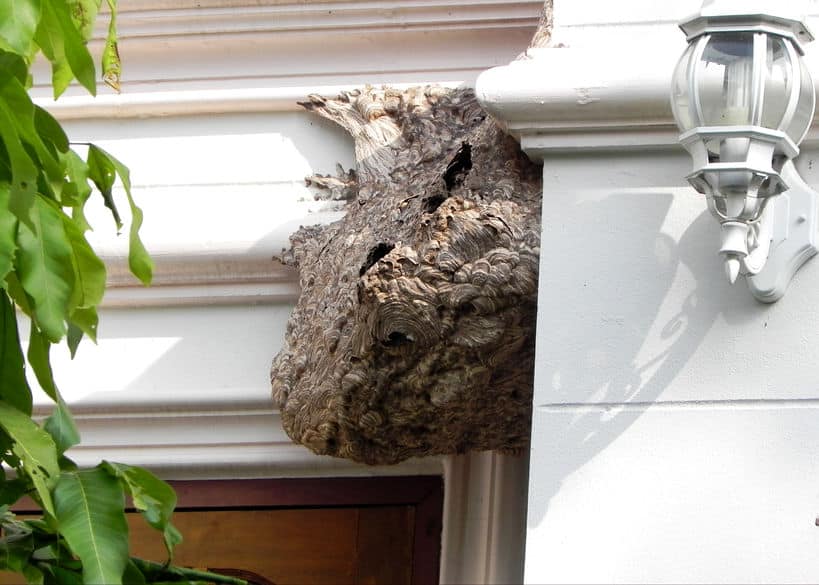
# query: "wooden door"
x,y
320,546
364,531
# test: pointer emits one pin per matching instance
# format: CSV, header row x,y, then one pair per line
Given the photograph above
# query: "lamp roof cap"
x,y
780,18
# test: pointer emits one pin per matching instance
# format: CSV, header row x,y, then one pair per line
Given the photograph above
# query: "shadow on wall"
x,y
616,343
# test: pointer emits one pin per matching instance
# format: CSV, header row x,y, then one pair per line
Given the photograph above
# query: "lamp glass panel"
x,y
725,80
680,95
804,110
778,82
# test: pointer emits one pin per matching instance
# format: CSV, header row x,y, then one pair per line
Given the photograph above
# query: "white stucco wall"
x,y
674,432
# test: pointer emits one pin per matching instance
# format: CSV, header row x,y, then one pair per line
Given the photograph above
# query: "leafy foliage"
x,y
50,274
89,508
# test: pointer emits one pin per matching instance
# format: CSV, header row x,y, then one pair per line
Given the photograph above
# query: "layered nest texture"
x,y
414,331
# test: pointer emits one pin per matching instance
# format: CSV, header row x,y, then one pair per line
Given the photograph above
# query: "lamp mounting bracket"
x,y
793,237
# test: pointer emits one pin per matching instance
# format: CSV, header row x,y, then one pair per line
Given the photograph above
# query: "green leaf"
x,y
45,267
50,130
14,388
6,456
159,574
10,458
33,575
12,490
73,338
16,547
60,576
67,464
132,574
8,231
90,513
62,43
56,560
38,350
49,37
84,13
5,165
111,65
77,191
154,498
36,450
76,51
14,65
40,526
18,21
102,172
139,261
86,320
26,119
17,294
89,270
60,425
23,169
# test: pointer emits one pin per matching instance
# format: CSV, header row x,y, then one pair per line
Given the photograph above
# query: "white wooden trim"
x,y
560,100
172,19
196,102
268,46
484,516
175,67
214,443
485,498
194,73
641,24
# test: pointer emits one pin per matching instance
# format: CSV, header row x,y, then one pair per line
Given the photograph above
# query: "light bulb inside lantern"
x,y
737,86
725,80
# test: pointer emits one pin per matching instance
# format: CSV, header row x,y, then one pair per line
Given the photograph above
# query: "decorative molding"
x,y
561,100
197,60
196,294
235,265
191,58
184,19
592,100
639,23
211,443
184,278
158,104
194,64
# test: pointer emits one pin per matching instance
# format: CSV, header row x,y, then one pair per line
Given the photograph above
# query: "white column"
x,y
674,430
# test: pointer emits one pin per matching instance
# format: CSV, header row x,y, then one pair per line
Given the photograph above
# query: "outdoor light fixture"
x,y
744,100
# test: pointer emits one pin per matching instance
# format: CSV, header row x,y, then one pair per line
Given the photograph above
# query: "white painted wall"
x,y
674,433
674,416
218,148
674,429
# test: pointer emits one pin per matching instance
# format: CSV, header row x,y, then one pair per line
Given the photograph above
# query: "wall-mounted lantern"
x,y
744,100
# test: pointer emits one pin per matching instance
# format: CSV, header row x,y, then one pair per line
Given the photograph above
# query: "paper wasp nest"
x,y
414,331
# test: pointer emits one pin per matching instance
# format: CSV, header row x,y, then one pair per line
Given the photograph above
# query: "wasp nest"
x,y
414,331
